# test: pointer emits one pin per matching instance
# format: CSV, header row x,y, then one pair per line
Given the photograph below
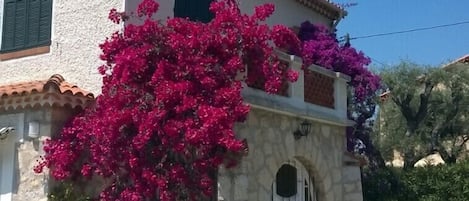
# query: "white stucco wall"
x,y
164,11
8,154
287,12
77,28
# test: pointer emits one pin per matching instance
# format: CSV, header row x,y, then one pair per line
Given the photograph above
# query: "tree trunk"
x,y
411,157
375,157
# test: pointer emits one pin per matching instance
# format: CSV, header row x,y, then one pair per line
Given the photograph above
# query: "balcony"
x,y
319,94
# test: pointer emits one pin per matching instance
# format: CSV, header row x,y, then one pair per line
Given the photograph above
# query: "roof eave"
x,y
463,61
325,8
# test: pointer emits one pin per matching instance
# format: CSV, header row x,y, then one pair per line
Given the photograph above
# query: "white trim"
x,y
52,27
301,176
7,170
8,155
294,107
1,20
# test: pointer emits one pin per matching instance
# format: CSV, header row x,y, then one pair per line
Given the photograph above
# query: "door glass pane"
x,y
286,181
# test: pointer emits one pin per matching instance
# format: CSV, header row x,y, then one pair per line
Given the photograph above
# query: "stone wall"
x,y
352,183
27,184
271,143
22,152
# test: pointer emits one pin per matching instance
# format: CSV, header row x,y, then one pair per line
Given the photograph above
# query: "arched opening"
x,y
293,183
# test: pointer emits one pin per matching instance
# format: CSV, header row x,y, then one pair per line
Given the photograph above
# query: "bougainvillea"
x,y
170,98
321,47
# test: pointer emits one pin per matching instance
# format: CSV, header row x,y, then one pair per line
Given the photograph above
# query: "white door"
x,y
293,183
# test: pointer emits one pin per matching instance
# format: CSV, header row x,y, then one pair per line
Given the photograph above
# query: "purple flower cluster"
x,y
321,47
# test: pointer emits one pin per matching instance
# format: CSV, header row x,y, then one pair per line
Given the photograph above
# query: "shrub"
x,y
433,183
170,99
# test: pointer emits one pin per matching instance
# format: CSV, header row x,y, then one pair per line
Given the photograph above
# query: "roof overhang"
x,y
460,63
44,93
326,8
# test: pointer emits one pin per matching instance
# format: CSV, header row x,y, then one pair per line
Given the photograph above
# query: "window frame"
x,y
306,190
8,154
27,50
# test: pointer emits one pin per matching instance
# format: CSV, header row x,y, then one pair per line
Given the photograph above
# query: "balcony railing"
x,y
318,92
319,89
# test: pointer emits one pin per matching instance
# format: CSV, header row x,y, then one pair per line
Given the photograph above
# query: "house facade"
x,y
296,141
71,32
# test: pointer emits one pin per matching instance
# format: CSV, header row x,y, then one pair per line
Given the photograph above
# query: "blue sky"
x,y
430,47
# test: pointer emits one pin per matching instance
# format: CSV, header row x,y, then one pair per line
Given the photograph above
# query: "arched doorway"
x,y
293,183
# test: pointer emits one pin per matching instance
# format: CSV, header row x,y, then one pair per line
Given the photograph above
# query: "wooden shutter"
x,y
195,10
26,24
14,24
34,9
45,22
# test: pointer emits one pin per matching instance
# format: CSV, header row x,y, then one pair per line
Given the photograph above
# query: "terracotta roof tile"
x,y
54,91
55,81
463,60
325,7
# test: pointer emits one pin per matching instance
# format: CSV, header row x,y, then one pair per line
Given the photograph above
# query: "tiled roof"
x,y
325,7
54,91
385,96
463,60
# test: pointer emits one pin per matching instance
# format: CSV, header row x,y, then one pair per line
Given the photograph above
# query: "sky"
x,y
431,47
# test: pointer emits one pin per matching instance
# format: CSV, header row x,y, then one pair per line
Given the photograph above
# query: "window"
x,y
293,183
286,181
26,24
195,10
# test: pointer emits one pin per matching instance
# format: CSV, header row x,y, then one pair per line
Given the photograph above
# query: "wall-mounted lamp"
x,y
33,131
5,132
303,130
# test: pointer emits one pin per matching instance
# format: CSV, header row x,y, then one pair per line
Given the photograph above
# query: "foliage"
x,y
432,183
170,98
65,191
321,47
425,113
382,184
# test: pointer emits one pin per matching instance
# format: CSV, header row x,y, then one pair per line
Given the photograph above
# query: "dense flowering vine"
x,y
171,95
321,47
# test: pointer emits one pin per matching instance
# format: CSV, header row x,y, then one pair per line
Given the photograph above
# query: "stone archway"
x,y
271,144
48,103
293,182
